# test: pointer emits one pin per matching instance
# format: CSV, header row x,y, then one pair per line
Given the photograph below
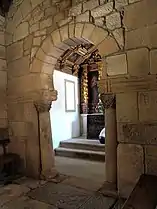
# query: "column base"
x,y
48,175
109,189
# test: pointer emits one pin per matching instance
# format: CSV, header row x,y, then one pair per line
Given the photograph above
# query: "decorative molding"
x,y
128,84
108,100
42,106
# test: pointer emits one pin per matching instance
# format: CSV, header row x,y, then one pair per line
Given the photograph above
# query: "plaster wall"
x,y
65,125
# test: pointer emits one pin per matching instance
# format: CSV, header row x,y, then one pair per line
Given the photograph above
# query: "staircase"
x,y
81,148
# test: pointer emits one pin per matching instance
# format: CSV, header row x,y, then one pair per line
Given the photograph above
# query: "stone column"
x,y
109,103
47,164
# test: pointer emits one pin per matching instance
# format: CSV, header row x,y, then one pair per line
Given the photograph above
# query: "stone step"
x,y
83,154
85,144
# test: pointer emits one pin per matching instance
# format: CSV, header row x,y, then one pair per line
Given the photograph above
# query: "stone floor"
x,y
89,169
63,192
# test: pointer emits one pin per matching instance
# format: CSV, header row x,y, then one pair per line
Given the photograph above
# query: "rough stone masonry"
x,y
35,33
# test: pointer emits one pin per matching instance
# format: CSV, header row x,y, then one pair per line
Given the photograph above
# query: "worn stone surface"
x,y
138,65
151,159
119,4
153,62
126,104
130,166
141,133
147,110
102,10
89,5
116,65
113,21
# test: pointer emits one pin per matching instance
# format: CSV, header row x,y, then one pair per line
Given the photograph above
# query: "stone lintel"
x,y
108,100
141,133
127,84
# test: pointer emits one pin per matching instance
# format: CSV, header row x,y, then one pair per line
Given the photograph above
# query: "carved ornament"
x,y
108,100
42,106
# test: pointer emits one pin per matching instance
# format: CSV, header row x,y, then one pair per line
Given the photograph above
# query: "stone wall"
x,y
136,93
3,77
124,31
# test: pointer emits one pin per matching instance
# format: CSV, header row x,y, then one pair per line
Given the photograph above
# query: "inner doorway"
x,y
77,116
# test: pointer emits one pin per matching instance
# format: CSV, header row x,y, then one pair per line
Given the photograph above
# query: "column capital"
x,y
108,100
43,106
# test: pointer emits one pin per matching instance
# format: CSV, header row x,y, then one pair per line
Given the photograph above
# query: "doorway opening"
x,y
77,116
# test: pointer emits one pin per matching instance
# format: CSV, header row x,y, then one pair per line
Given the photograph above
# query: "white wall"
x,y
65,125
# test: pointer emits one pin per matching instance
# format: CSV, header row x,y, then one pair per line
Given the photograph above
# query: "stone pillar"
x,y
109,103
47,164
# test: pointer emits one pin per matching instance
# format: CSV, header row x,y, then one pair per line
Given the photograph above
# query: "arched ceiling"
x,y
75,56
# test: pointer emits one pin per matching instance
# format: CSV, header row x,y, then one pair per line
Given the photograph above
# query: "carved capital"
x,y
42,106
108,100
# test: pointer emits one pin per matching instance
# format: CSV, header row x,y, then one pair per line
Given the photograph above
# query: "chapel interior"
x,y
78,95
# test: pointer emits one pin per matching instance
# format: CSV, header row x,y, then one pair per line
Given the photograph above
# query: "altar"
x,y
91,125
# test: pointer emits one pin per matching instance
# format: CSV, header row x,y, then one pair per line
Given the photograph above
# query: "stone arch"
x,y
67,36
43,65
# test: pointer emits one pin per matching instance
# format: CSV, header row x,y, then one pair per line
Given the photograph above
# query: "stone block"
x,y
113,21
133,1
64,22
102,10
100,21
17,18
3,65
34,3
3,81
3,110
130,158
23,84
34,27
153,61
119,4
21,31
3,122
117,65
56,37
152,30
76,10
28,41
58,17
45,58
50,11
126,106
37,41
151,159
87,31
89,5
15,51
147,106
20,128
108,46
25,8
50,49
39,66
98,35
137,38
137,133
2,52
45,23
19,67
64,33
119,36
78,30
2,40
40,33
138,62
85,17
147,10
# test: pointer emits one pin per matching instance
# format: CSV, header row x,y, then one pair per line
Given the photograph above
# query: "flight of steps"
x,y
82,148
